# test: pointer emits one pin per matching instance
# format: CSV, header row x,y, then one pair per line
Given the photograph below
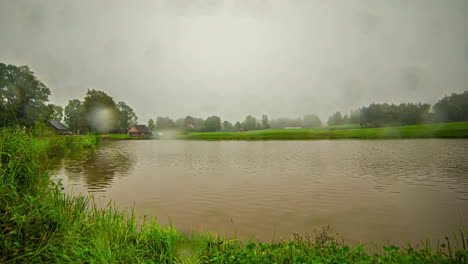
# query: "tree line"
x,y
98,112
215,124
24,102
453,108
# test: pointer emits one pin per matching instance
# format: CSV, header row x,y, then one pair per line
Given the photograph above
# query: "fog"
x,y
237,57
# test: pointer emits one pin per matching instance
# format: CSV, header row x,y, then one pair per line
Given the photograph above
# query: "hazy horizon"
x,y
234,58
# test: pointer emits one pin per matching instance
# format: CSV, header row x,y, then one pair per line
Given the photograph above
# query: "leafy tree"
x,y
54,112
355,116
189,120
227,126
379,115
346,120
238,125
188,124
180,122
198,124
212,124
311,121
128,117
265,122
250,123
22,96
101,112
335,119
164,123
453,108
74,116
151,124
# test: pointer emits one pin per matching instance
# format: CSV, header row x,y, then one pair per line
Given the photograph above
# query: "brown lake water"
x,y
366,190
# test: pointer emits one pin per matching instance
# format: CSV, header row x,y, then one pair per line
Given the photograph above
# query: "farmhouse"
x,y
139,131
59,128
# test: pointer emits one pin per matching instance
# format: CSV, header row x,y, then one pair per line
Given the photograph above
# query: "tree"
x,y
238,125
212,124
151,124
128,117
189,123
74,116
227,126
180,122
250,123
164,123
265,122
453,108
311,121
335,119
53,112
379,115
101,112
355,116
22,96
345,120
198,124
189,120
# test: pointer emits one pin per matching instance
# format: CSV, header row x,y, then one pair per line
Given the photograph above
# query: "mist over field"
x,y
234,58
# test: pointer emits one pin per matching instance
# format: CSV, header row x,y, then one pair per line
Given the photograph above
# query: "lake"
x,y
366,190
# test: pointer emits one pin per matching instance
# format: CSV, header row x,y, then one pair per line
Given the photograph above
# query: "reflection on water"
x,y
376,190
97,169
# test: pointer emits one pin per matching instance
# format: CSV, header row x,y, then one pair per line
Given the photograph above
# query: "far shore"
x,y
440,130
351,131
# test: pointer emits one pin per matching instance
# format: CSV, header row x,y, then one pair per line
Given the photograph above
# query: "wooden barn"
x,y
59,128
139,131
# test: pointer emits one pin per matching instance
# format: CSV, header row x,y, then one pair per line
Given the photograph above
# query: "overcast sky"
x,y
237,57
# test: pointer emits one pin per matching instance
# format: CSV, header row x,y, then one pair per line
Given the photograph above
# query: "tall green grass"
x,y
40,224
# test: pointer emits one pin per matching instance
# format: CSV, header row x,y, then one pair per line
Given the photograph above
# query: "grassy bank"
x,y
39,224
443,130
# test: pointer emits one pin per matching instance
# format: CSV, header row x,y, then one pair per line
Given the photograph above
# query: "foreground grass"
x,y
443,130
39,224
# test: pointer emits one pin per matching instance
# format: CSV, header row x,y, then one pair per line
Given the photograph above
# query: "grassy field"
x,y
39,224
443,130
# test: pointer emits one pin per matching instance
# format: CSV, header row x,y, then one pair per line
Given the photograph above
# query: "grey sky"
x,y
237,57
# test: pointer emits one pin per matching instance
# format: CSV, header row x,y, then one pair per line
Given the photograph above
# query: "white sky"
x,y
237,57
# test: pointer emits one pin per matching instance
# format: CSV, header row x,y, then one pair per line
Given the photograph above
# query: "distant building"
x,y
139,131
188,125
59,128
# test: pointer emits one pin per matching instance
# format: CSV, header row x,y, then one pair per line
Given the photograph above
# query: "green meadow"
x,y
441,130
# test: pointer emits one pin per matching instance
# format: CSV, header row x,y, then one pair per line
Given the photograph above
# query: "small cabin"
x,y
139,131
59,128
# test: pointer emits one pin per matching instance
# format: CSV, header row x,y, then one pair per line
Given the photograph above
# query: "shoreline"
x,y
441,130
